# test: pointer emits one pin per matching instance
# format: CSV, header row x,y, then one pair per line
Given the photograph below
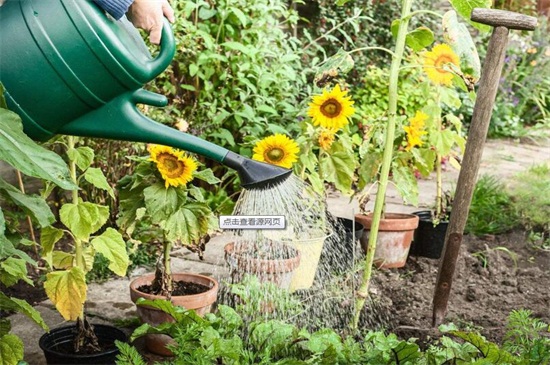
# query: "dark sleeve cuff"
x,y
116,8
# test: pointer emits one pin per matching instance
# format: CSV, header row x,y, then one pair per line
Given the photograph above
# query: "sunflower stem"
x,y
363,292
439,184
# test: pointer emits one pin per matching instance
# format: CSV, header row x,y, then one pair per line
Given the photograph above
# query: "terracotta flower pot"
x,y
201,303
395,235
278,270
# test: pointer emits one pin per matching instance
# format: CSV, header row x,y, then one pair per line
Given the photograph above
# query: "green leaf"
x,y
341,2
12,270
225,135
335,66
49,236
419,38
407,352
35,206
188,223
83,218
62,260
161,202
406,184
240,15
95,177
11,350
67,290
338,167
237,46
458,37
450,97
2,222
490,351
5,324
21,152
83,156
464,9
205,13
111,245
21,306
207,175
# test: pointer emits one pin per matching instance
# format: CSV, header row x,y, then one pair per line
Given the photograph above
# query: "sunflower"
x,y
434,62
415,130
331,109
278,150
175,167
326,137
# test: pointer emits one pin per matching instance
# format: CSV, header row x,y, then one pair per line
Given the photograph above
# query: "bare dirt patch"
x,y
488,284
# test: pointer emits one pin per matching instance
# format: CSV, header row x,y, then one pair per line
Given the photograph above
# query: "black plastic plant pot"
x,y
428,239
58,346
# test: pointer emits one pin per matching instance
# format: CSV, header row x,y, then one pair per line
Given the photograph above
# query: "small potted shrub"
x,y
83,226
157,203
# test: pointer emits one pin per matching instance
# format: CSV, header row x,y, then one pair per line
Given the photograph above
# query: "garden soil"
x,y
494,275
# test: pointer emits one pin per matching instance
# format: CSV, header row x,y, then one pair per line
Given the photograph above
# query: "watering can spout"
x,y
255,174
120,119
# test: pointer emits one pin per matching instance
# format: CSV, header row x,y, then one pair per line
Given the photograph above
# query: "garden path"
x,y
111,301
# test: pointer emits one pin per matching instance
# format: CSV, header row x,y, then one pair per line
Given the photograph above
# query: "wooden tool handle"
x,y
503,18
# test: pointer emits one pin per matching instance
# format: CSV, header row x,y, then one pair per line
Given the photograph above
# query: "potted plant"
x,y
158,203
28,157
388,163
83,226
443,135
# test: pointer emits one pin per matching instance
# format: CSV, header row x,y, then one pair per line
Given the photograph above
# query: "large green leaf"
x,y
335,66
207,175
338,168
188,223
490,351
83,156
21,152
67,290
111,245
406,184
95,177
464,9
83,218
160,201
11,350
35,206
21,306
12,270
456,34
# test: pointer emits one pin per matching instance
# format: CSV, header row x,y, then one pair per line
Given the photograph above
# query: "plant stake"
x,y
502,21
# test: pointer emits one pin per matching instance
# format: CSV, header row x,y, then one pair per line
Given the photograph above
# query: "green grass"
x,y
492,210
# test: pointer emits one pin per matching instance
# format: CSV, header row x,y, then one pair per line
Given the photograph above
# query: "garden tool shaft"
x,y
502,21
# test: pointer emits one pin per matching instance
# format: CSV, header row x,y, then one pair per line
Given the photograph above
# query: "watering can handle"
x,y
166,53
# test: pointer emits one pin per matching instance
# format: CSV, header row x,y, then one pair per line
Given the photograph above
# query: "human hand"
x,y
148,15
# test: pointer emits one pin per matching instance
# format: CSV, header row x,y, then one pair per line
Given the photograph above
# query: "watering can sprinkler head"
x,y
255,174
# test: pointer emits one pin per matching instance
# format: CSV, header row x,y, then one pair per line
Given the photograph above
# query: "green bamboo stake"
x,y
363,292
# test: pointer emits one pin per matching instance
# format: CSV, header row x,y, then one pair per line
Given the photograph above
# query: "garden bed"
x,y
486,287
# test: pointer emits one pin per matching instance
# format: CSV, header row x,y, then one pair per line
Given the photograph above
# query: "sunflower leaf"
x,y
464,9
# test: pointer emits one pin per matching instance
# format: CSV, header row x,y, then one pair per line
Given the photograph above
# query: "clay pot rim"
x,y
404,221
148,278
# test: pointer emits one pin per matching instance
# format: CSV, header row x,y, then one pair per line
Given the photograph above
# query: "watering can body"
x,y
68,68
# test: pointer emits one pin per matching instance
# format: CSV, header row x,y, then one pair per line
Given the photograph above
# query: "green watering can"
x,y
68,68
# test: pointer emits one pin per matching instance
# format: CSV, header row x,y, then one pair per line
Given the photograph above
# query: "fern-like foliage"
x,y
128,355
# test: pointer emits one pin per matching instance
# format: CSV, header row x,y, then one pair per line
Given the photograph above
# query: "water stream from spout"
x,y
325,280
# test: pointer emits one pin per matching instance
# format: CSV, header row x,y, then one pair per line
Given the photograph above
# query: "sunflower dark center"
x,y
331,108
275,154
172,166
